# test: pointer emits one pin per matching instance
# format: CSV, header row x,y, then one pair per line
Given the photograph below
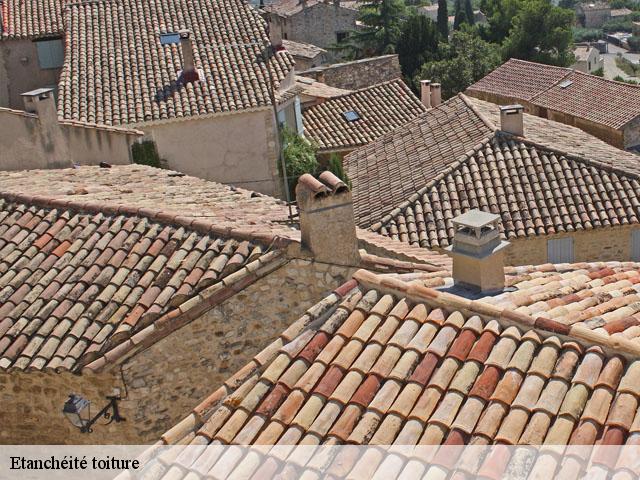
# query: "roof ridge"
x,y
163,216
477,112
366,89
421,294
452,166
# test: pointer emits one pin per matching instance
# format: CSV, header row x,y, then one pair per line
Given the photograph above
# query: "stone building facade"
x,y
358,74
320,23
161,382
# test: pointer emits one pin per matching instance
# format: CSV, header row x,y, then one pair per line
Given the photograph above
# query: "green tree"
x,y
500,15
464,60
468,10
541,32
299,157
418,43
335,167
443,19
460,15
381,21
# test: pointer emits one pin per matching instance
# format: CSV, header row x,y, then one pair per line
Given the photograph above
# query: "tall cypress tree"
x,y
459,13
468,10
443,19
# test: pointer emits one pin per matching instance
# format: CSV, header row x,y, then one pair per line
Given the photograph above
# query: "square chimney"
x,y
425,92
511,119
436,94
478,251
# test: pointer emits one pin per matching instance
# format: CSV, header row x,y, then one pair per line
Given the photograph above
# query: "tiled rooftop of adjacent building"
x,y
77,285
387,360
375,111
453,158
596,99
31,18
132,76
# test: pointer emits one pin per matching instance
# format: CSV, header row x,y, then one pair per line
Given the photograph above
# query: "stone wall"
x,y
20,72
358,74
602,244
164,382
27,143
318,25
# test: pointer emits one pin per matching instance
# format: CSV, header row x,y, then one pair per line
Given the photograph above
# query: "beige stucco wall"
x,y
631,133
27,143
166,381
20,72
237,148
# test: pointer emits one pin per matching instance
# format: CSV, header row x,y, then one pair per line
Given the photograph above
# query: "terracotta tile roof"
x,y
537,184
379,108
386,361
519,79
80,286
593,98
131,77
133,187
288,8
441,135
314,89
31,18
606,102
306,50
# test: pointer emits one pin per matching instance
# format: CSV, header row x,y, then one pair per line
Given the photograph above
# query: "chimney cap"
x,y
41,93
508,109
184,33
476,219
425,82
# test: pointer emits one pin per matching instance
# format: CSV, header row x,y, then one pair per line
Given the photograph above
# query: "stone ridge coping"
x,y
398,266
201,225
100,127
546,327
317,314
189,311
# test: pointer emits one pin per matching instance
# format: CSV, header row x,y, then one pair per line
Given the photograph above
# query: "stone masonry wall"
x,y
358,74
174,375
164,382
603,244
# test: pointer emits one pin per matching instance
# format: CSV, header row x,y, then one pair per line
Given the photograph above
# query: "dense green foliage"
x,y
618,78
465,59
146,153
382,22
443,18
299,157
418,43
586,34
541,33
335,167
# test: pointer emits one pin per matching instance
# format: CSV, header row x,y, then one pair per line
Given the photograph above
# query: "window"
x,y
635,245
341,36
50,53
565,83
560,250
351,116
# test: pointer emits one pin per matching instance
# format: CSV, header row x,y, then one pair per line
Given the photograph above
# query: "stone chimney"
x,y
327,223
189,74
478,251
425,92
511,119
436,94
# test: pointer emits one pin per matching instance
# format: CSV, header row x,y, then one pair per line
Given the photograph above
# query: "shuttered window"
x,y
635,245
560,250
50,53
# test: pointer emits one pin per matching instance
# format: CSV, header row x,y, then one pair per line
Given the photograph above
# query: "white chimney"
x,y
478,251
436,94
425,92
189,73
511,119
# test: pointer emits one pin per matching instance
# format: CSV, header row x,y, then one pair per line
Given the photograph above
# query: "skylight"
x,y
565,83
351,116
